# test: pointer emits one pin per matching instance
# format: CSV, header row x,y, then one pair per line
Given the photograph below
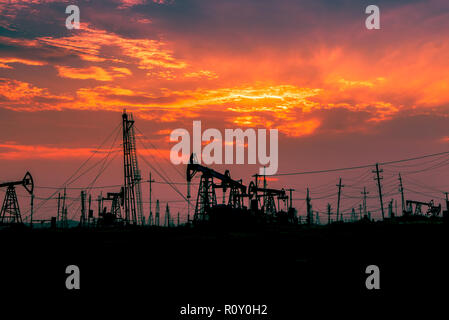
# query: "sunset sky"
x,y
339,94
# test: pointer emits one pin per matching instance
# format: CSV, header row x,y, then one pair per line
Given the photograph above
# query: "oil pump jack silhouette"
x,y
10,213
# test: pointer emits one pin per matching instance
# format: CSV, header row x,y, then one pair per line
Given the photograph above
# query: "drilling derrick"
x,y
133,195
10,213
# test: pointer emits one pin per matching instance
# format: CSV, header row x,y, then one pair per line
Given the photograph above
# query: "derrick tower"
x,y
133,209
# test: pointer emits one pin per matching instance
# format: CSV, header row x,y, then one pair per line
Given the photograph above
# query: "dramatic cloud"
x,y
5,62
15,152
88,43
95,73
18,95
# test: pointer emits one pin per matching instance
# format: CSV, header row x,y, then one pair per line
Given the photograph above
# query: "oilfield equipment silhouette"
x,y
10,213
234,209
241,205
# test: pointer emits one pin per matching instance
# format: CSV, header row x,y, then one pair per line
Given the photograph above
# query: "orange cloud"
x,y
109,98
14,151
300,128
166,75
16,90
25,96
130,3
89,41
19,42
11,151
91,58
123,71
201,74
5,61
95,73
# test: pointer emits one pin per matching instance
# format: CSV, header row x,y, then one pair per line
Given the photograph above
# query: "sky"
x,y
339,94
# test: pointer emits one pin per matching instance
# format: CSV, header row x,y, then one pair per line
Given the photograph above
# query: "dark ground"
x,y
155,272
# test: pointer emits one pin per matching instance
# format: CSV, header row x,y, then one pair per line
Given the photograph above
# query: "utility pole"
x,y
90,211
378,178
167,215
150,216
291,197
264,191
99,205
188,202
328,213
339,185
396,206
157,213
59,205
32,210
256,178
188,209
392,212
83,208
390,209
63,209
279,208
447,202
65,218
364,201
309,209
401,190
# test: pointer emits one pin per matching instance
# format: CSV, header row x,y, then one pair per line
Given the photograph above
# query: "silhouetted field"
x,y
160,269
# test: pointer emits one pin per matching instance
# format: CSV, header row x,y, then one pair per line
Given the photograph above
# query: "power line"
x,y
424,194
359,167
156,149
103,168
163,178
107,186
78,188
70,179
